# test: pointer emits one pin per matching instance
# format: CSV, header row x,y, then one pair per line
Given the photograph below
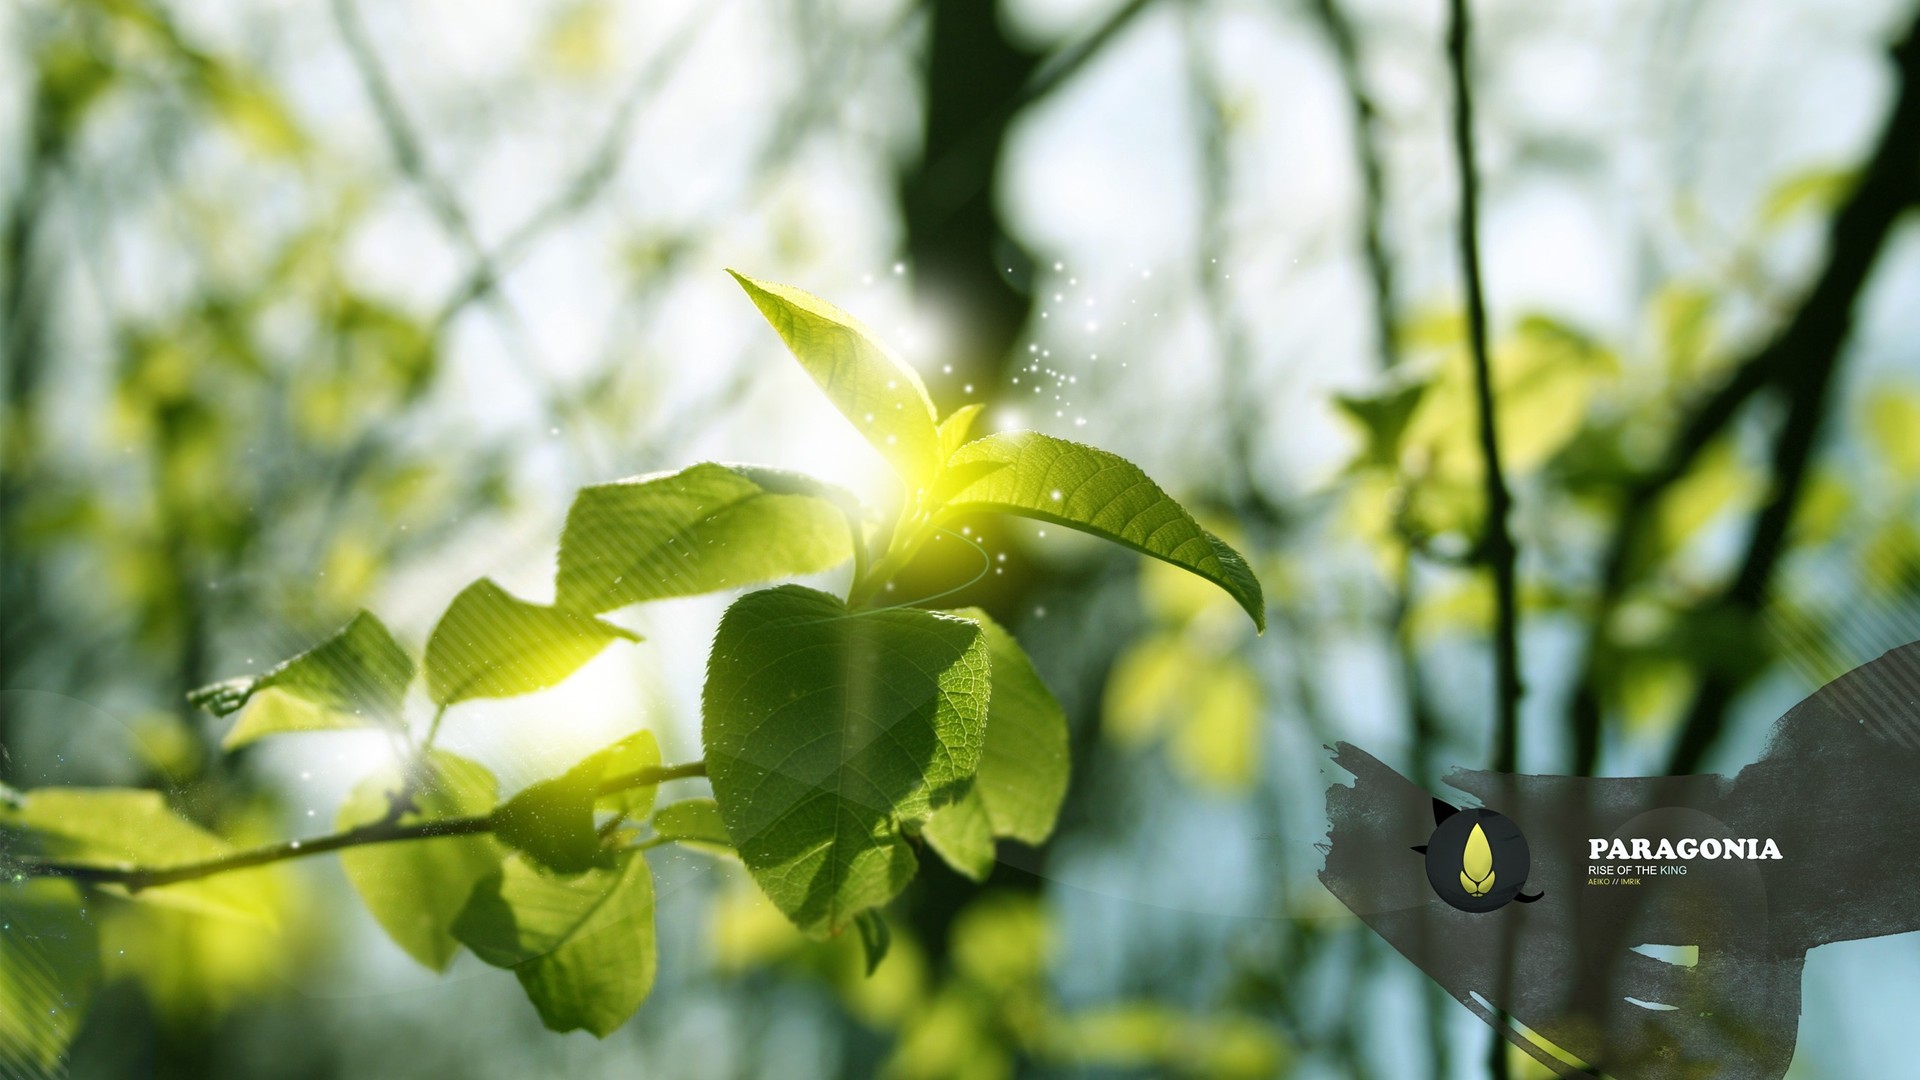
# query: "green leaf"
x,y
868,384
354,678
49,965
960,833
692,821
702,529
490,644
826,730
875,938
1893,418
1024,765
1384,416
415,890
1820,189
551,822
582,946
956,427
122,828
1096,492
635,753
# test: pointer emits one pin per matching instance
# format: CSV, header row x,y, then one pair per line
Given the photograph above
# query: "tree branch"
x,y
1806,358
384,831
1496,543
1798,360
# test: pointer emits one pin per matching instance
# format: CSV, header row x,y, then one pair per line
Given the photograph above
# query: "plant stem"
x,y
1497,542
1497,547
135,878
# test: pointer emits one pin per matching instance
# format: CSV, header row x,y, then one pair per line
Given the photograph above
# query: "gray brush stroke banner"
x,y
1838,790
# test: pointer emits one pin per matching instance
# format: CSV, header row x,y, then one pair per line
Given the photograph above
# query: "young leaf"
x,y
1024,765
355,677
1082,488
868,384
693,821
551,822
491,644
825,730
49,964
582,946
702,529
127,827
961,834
415,890
956,427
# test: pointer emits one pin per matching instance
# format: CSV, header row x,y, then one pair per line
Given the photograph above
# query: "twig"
x,y
384,831
1497,548
1373,175
601,166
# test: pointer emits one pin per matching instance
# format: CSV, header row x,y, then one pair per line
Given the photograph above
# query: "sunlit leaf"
x,y
490,644
1719,481
1096,492
551,822
1819,190
863,378
634,754
826,729
49,965
1893,418
1685,317
1152,1037
702,529
1002,941
693,821
953,1037
961,834
356,677
416,889
582,946
131,828
955,429
1216,738
1144,686
1024,764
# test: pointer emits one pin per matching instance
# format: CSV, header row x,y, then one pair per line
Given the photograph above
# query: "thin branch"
x,y
384,831
410,156
1497,548
1371,157
600,168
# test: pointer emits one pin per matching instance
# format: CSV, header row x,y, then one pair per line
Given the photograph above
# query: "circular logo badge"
x,y
1477,860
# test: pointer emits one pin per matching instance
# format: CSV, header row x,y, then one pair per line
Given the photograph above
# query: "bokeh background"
x,y
309,306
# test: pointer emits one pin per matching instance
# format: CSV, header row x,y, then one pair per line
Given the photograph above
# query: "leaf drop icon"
x,y
1477,864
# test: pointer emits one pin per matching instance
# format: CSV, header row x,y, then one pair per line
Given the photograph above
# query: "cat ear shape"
x,y
1441,811
1525,899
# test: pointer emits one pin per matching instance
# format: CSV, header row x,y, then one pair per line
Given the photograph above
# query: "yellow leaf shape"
x,y
1477,861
